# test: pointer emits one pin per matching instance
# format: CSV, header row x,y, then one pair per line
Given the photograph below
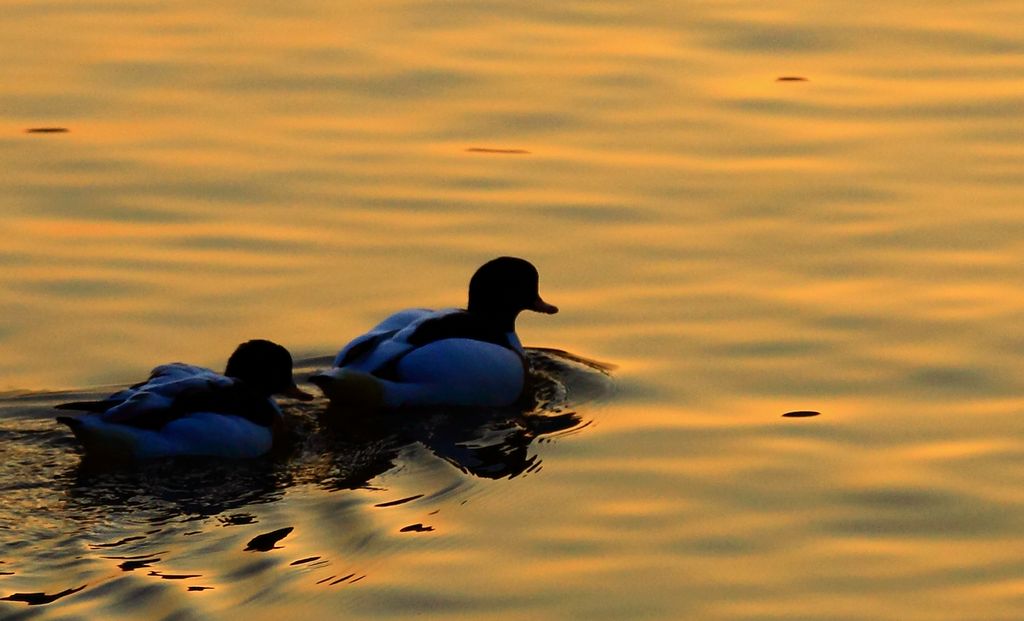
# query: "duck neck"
x,y
501,321
252,387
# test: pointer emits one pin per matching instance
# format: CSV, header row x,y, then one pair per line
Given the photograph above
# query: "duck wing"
x,y
102,405
386,341
169,393
379,351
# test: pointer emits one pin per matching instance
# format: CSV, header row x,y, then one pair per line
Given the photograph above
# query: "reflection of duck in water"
x,y
493,446
487,442
467,357
494,443
188,410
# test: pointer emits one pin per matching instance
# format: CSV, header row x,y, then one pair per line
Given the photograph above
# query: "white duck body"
x,y
449,371
128,429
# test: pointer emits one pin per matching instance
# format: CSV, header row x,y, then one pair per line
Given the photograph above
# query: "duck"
x,y
468,356
186,410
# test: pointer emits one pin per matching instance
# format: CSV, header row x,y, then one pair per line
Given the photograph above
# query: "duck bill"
x,y
541,306
295,392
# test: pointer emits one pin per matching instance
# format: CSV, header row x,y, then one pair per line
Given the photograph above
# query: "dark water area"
x,y
146,538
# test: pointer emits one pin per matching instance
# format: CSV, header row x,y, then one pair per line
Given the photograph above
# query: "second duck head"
x,y
266,368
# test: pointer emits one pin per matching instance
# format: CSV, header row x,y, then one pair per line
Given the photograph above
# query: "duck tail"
x,y
348,387
87,406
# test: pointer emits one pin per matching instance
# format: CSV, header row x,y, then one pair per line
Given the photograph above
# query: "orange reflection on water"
x,y
740,247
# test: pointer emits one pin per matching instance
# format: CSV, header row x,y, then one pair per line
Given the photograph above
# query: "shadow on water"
x,y
135,517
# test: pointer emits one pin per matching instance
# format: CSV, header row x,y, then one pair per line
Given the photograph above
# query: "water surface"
x,y
740,246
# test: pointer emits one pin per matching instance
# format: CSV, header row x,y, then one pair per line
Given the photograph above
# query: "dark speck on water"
x,y
416,528
497,151
47,130
303,561
791,78
266,541
199,588
400,501
801,414
174,576
139,564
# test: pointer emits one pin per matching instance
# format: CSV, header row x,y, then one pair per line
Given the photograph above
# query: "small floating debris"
x,y
416,528
39,599
402,501
303,561
497,151
267,541
164,576
801,414
47,130
139,564
791,78
199,588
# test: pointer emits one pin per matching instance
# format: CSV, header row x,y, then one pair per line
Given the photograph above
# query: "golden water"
x,y
739,246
